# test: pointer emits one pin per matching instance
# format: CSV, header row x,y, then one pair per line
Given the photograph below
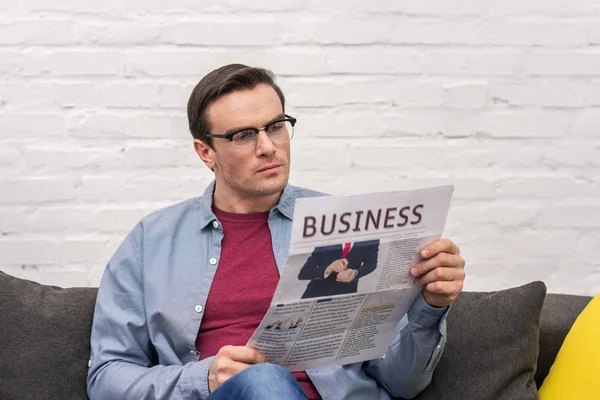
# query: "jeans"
x,y
260,382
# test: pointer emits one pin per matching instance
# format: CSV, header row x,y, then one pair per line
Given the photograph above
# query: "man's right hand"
x,y
337,266
229,361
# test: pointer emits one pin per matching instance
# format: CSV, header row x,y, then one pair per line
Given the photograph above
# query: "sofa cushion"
x,y
574,374
559,313
44,340
492,346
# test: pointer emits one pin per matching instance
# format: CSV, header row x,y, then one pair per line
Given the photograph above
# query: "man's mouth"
x,y
270,168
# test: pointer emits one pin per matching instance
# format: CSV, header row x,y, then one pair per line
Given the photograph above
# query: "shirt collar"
x,y
285,205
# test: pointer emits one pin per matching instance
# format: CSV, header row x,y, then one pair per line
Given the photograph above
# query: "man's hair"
x,y
227,79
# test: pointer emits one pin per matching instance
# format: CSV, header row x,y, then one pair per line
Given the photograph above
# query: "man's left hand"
x,y
441,273
346,275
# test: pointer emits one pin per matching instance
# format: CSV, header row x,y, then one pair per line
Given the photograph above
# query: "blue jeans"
x,y
260,382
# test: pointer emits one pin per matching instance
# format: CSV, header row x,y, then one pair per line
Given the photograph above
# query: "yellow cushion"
x,y
575,373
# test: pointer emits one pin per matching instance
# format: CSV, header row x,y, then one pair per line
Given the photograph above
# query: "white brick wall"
x,y
500,98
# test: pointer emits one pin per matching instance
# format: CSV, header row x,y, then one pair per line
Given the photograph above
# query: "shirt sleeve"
x,y
121,364
407,367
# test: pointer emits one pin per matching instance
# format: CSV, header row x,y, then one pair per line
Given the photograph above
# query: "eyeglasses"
x,y
244,140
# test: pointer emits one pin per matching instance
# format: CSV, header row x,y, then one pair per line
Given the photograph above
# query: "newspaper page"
x,y
346,284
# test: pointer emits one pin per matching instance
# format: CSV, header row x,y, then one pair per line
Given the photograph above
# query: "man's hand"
x,y
229,361
346,275
441,273
337,266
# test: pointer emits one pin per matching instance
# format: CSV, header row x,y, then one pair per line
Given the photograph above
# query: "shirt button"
x,y
215,224
213,261
194,352
198,308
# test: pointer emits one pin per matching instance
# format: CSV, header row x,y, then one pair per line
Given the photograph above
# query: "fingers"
x,y
229,361
339,265
346,275
442,275
342,276
449,289
444,260
242,354
440,246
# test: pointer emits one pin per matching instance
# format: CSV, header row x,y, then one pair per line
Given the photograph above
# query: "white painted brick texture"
x,y
499,98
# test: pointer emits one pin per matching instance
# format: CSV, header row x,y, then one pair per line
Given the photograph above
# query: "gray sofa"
x,y
492,349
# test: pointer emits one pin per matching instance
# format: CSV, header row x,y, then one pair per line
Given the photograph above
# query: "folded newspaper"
x,y
346,284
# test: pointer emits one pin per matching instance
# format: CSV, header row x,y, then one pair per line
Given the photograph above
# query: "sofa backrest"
x,y
558,315
44,337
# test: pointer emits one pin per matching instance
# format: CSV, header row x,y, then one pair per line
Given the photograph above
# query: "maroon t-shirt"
x,y
243,287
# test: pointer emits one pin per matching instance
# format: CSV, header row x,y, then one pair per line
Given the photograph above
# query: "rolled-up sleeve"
x,y
121,350
407,367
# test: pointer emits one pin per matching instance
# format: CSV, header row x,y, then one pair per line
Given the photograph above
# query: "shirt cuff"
x,y
203,366
423,315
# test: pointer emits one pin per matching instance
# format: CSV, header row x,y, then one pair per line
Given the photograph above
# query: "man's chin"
x,y
272,186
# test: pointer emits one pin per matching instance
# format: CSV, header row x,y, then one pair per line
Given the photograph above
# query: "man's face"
x,y
263,171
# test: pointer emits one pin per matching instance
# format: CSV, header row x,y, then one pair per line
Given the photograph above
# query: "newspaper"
x,y
346,284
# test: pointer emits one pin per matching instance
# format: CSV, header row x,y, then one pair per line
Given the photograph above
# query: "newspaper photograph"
x,y
346,283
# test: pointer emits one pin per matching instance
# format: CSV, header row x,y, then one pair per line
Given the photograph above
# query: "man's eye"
x,y
244,136
276,127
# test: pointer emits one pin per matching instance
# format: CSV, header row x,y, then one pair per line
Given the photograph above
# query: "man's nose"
x,y
264,145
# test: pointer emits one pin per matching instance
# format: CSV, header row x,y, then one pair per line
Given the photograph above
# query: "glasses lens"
x,y
244,141
281,132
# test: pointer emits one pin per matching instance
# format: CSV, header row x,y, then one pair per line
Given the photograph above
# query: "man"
x,y
190,283
336,269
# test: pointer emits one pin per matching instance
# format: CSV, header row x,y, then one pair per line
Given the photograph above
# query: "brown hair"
x,y
219,82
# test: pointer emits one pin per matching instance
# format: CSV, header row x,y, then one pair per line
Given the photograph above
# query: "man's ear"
x,y
205,152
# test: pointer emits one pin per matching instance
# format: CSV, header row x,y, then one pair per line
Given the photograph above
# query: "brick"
x,y
9,157
560,63
76,219
390,156
265,5
396,30
118,9
546,186
69,158
157,155
375,60
89,250
37,32
466,94
196,62
468,62
40,61
118,125
517,124
569,217
312,93
174,95
587,124
30,252
502,214
555,93
257,32
321,155
36,190
575,153
488,7
115,32
104,189
9,60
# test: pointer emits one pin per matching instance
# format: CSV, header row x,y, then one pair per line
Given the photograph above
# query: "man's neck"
x,y
244,205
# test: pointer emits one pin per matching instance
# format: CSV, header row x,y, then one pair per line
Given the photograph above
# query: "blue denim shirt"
x,y
151,300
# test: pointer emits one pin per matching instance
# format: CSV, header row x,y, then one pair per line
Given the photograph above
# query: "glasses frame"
x,y
229,136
